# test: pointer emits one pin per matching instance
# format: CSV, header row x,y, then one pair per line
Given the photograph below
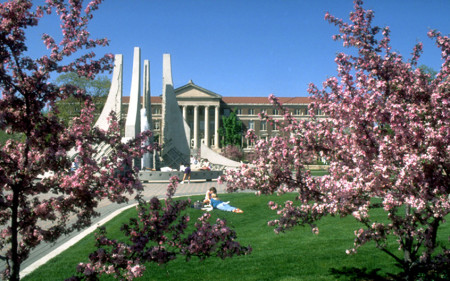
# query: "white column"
x,y
207,125
196,126
114,100
216,127
132,124
184,111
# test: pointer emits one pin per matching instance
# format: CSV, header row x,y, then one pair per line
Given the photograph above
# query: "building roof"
x,y
126,99
229,100
241,100
191,86
156,99
265,100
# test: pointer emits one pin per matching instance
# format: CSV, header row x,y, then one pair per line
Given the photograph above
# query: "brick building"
x,y
203,110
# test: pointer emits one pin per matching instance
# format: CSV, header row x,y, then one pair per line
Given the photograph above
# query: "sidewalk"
x,y
108,210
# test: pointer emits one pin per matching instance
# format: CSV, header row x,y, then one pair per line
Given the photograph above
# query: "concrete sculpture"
x,y
146,117
113,104
217,159
175,147
175,150
114,100
132,124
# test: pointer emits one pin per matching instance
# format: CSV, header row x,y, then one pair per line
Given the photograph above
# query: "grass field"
x,y
319,173
294,255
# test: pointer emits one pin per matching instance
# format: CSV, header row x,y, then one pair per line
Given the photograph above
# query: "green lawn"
x,y
294,255
319,173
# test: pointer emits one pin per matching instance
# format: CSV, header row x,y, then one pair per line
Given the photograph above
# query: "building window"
x,y
298,111
157,126
275,126
275,112
251,124
263,126
251,111
226,112
157,110
238,111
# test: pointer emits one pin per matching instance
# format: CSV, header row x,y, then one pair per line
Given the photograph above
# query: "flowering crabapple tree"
x,y
159,235
386,137
232,152
35,209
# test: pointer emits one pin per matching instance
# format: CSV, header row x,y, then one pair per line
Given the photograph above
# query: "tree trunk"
x,y
15,270
407,248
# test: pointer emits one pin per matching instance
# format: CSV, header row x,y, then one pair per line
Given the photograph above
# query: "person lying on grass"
x,y
211,198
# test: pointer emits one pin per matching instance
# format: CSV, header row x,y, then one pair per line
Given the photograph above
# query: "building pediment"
x,y
191,91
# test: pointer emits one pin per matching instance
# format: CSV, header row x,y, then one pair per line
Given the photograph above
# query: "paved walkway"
x,y
108,210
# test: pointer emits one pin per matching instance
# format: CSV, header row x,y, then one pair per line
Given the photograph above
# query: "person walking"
x,y
187,174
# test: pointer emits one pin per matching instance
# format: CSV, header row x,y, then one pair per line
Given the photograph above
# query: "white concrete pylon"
x,y
113,104
146,93
114,99
166,81
167,70
147,157
175,149
132,124
146,115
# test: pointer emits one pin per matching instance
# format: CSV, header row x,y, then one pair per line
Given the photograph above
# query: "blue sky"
x,y
250,47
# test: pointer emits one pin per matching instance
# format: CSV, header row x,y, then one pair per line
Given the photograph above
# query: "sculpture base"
x,y
158,176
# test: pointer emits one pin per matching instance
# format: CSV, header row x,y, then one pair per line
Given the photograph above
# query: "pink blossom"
x,y
385,136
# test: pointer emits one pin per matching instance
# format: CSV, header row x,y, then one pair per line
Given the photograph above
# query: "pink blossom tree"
x,y
159,235
232,152
35,209
386,136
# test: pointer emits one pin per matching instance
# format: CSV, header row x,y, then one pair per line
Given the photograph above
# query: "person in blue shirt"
x,y
211,198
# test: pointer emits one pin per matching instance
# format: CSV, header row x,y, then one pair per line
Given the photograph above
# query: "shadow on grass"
x,y
357,274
